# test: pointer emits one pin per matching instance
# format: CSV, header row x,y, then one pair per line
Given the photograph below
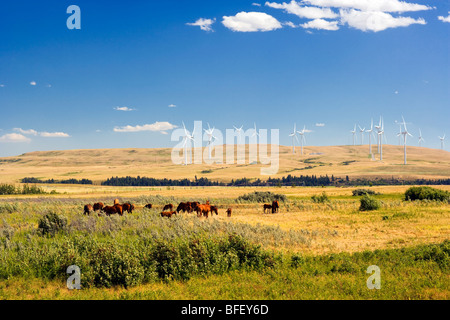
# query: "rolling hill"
x,y
340,161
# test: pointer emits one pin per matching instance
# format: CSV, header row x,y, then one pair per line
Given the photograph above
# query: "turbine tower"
x,y
380,132
302,135
362,130
442,141
210,135
379,128
405,134
238,130
420,138
294,136
370,132
354,134
186,138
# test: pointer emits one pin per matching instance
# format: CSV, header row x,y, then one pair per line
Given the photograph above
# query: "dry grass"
x,y
100,164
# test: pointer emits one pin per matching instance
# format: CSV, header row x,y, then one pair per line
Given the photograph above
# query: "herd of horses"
x,y
168,210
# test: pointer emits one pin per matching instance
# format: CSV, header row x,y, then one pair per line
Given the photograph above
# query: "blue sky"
x,y
136,70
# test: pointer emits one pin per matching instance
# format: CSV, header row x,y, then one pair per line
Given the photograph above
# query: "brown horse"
x,y
203,209
108,210
229,212
168,214
275,206
98,206
116,201
267,207
148,206
168,207
128,207
214,209
88,209
184,206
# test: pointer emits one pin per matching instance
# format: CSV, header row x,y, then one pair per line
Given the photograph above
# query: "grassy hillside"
x,y
100,164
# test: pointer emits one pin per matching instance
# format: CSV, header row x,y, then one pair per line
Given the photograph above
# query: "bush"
x,y
426,193
369,203
361,192
262,197
52,223
320,199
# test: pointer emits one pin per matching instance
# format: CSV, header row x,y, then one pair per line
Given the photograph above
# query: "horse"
x,y
87,209
267,207
275,206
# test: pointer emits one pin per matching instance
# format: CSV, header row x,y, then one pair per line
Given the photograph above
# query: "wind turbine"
x,y
294,136
442,141
362,130
238,130
255,133
186,138
302,135
420,138
210,135
380,132
405,134
379,127
370,132
354,134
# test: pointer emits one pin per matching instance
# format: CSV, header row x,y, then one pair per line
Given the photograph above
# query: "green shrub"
x,y
51,223
261,197
361,192
8,208
426,193
321,198
369,203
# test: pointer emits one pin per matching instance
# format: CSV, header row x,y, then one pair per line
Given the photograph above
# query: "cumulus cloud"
x,y
204,24
321,24
370,5
44,134
124,109
27,132
375,21
54,135
302,11
251,22
14,137
161,127
445,19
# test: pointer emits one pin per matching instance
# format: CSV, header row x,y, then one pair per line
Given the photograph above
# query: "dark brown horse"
x,y
267,207
275,206
88,209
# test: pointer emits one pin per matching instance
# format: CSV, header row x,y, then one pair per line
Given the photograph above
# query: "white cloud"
x,y
204,24
172,106
375,21
161,127
370,5
256,4
303,12
320,124
42,134
27,132
54,135
124,109
14,137
33,83
445,19
290,24
251,22
321,24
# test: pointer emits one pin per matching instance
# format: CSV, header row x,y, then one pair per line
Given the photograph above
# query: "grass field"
x,y
307,251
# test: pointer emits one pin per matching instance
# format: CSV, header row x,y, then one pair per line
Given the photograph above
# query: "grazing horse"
x,y
185,207
168,214
214,209
275,206
168,207
87,209
229,212
128,207
109,210
98,206
119,209
203,209
267,207
148,206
